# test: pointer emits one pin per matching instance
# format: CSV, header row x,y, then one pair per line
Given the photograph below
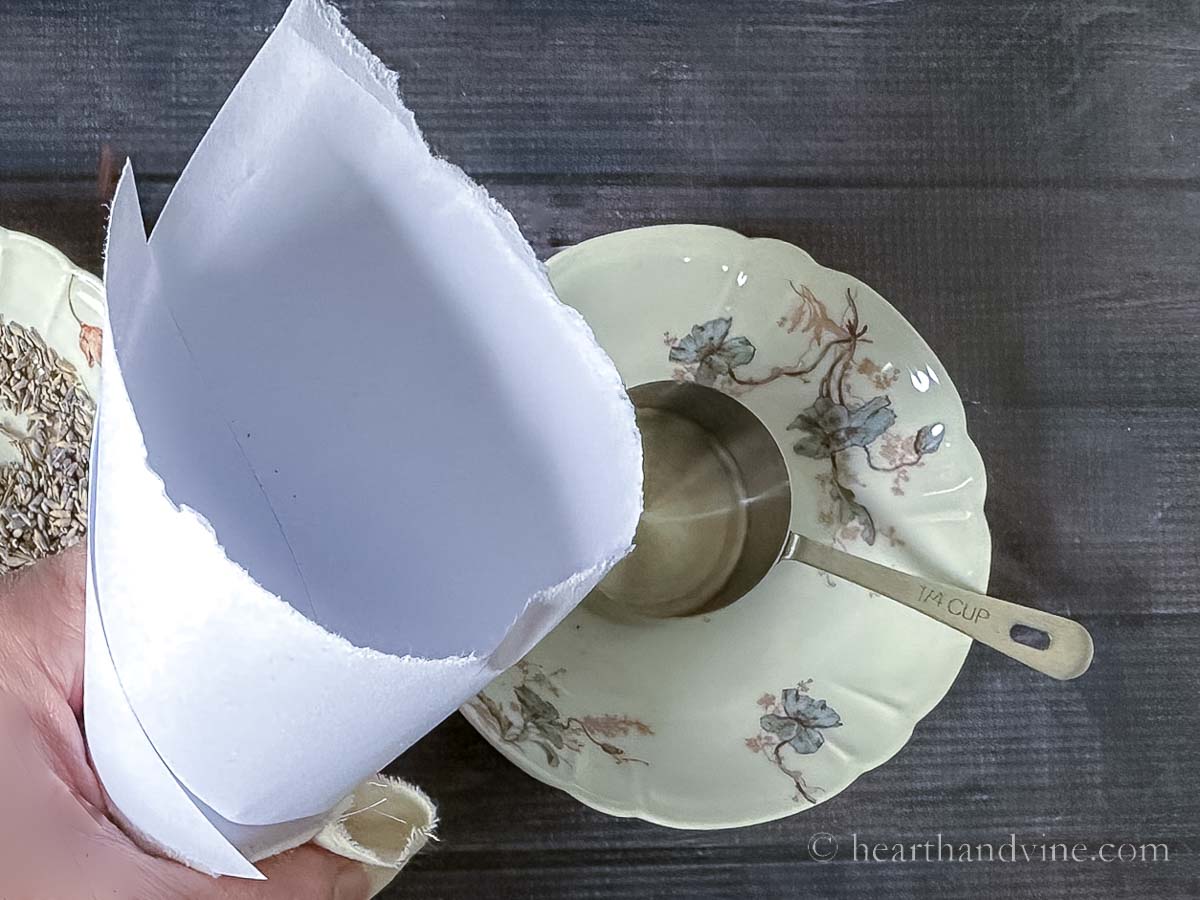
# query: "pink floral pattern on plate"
x,y
532,719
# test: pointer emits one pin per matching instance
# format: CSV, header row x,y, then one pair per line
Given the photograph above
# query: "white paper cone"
x,y
352,458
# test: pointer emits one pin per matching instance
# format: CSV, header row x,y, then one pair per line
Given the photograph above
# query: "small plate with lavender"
x,y
51,314
780,699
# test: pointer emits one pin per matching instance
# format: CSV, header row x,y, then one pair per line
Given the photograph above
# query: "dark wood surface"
x,y
1020,179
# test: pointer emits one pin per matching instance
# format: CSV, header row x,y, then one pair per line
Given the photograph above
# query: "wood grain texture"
x,y
785,90
1019,179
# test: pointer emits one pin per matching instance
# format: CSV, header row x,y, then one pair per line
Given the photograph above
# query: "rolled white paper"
x,y
352,459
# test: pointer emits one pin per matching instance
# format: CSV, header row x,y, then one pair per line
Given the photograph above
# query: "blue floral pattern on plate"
x,y
836,421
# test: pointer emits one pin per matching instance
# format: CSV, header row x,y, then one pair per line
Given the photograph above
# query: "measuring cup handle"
x,y
986,619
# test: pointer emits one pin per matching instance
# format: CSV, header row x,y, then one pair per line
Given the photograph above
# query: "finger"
x,y
65,577
43,612
309,868
305,873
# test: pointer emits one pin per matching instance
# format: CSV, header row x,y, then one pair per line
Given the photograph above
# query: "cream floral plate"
x,y
780,700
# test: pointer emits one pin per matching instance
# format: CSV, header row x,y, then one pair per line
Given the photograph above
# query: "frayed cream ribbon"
x,y
386,822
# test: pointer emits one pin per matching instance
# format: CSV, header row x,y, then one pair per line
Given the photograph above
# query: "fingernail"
x,y
352,883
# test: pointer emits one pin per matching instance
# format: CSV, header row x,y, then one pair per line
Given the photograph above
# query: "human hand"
x,y
57,841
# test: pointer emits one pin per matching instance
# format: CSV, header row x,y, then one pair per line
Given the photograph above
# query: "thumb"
x,y
305,873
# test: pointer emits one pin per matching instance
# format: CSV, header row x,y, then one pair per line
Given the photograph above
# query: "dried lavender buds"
x,y
47,414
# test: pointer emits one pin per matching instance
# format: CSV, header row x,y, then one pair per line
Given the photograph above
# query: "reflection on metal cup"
x,y
717,504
